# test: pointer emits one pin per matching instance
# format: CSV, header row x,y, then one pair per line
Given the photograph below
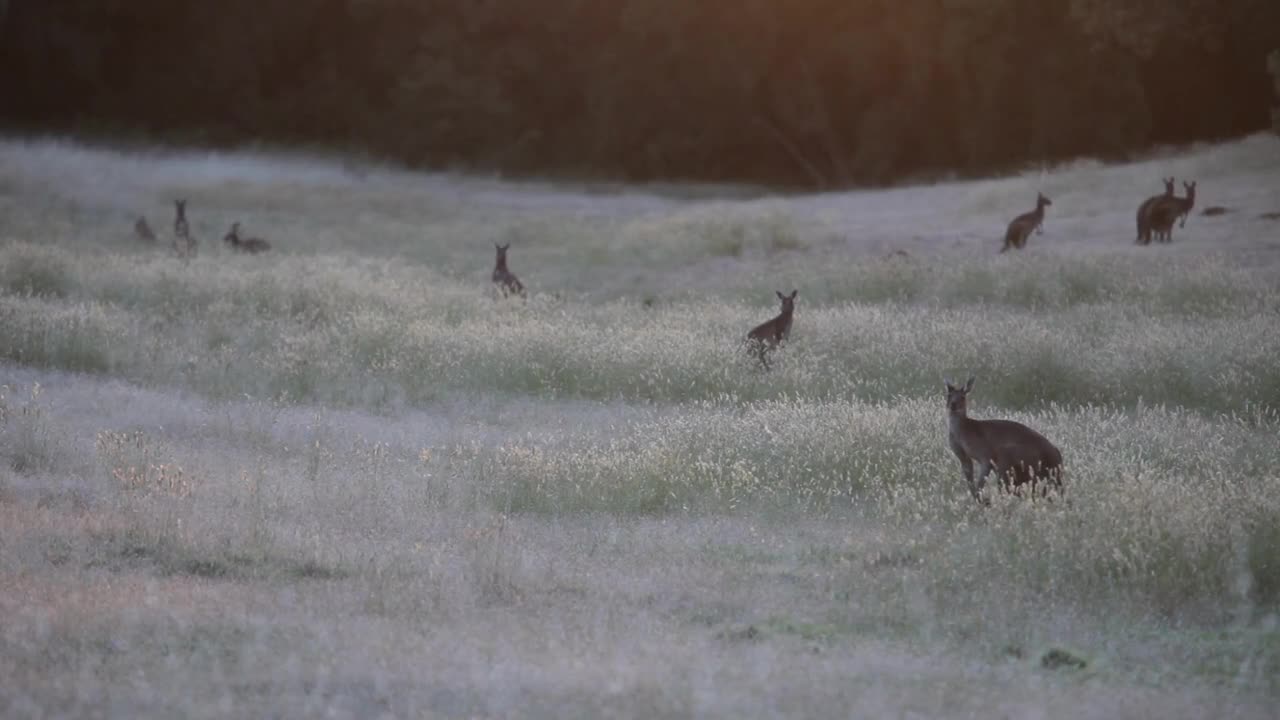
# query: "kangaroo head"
x,y
1042,201
1168,186
788,301
958,397
1190,188
502,251
180,206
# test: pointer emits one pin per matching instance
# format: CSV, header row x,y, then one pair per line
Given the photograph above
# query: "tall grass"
x,y
1162,506
349,332
352,434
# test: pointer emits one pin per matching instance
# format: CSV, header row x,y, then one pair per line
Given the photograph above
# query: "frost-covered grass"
x,y
1192,332
343,478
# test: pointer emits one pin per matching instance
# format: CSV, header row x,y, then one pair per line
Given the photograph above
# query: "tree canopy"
x,y
808,92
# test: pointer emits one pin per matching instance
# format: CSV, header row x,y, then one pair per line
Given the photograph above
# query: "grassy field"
x,y
344,479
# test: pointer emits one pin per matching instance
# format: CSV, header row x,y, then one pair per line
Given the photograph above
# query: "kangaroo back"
x,y
1018,454
1012,237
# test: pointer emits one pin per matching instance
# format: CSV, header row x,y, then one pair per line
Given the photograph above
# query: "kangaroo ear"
x,y
779,294
794,293
969,385
947,381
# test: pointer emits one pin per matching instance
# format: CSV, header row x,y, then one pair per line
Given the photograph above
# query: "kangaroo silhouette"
x,y
251,245
768,335
1167,210
507,282
184,245
180,226
1020,227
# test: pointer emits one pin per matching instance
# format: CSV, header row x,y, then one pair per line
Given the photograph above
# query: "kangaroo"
x,y
1021,226
180,227
251,245
768,335
1018,454
1167,210
143,230
1144,212
507,282
184,245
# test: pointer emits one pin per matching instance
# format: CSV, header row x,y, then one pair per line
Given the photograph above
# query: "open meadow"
x,y
343,478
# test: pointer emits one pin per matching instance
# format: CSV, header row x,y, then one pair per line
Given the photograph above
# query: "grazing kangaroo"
x,y
1018,454
507,282
143,230
1144,212
1021,226
1167,210
768,335
251,245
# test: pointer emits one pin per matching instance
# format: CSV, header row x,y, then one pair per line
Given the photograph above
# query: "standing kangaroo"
x,y
1144,212
507,282
1016,235
1018,454
768,335
251,245
180,227
1169,209
183,243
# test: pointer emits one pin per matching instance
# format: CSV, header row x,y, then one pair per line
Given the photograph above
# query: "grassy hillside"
x,y
344,476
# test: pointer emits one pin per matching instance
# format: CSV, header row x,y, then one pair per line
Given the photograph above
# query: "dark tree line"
x,y
804,92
